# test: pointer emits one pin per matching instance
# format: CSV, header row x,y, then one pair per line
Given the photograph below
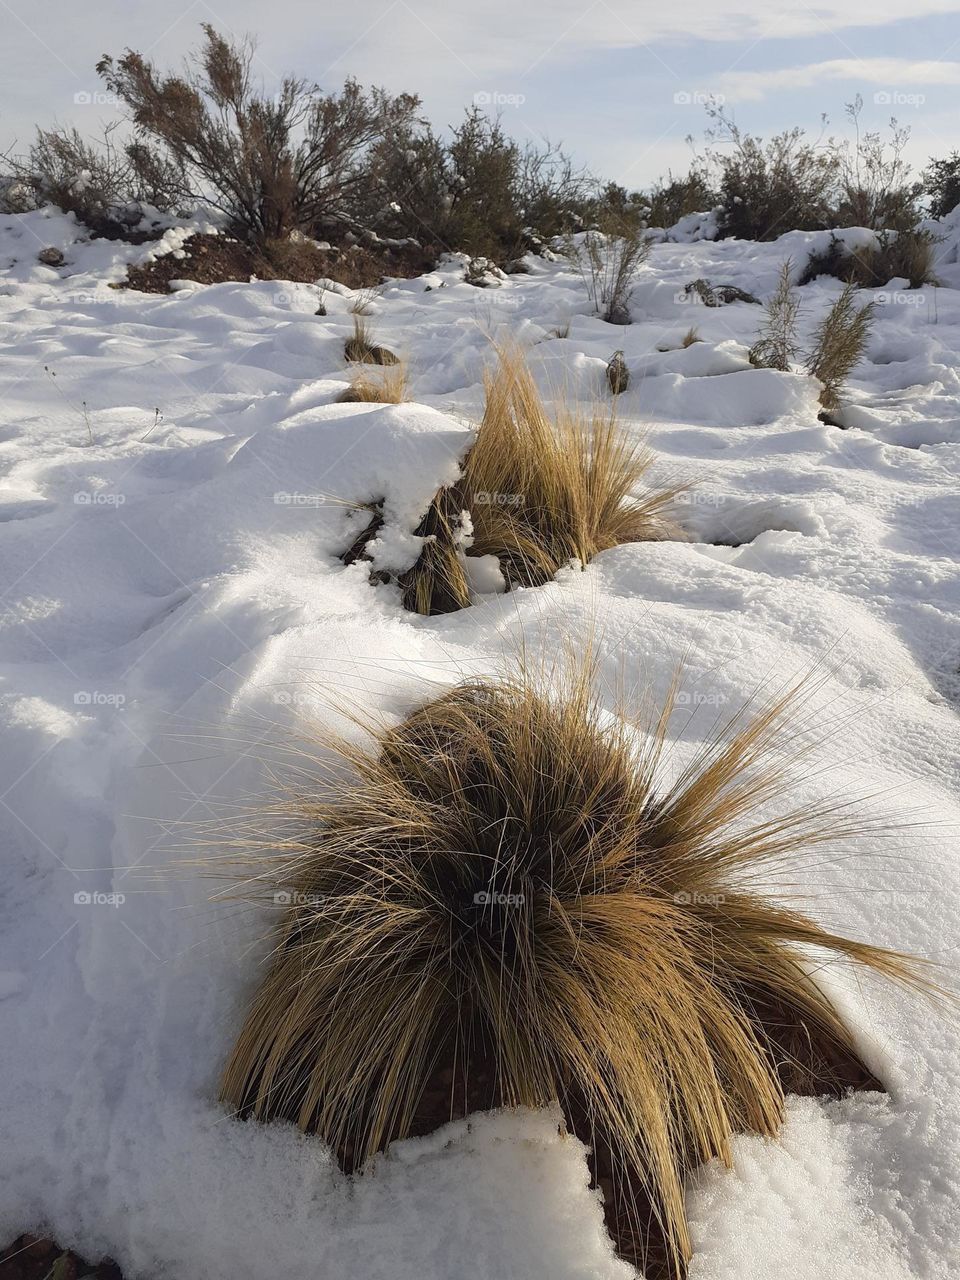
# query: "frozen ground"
x,y
176,577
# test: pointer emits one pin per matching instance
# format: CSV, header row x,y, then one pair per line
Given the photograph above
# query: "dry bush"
x,y
767,188
839,342
874,178
360,348
510,900
941,185
95,178
387,386
607,258
690,337
273,164
540,490
905,255
776,348
671,199
477,192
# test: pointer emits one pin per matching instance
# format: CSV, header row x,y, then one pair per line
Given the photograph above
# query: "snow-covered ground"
x,y
174,613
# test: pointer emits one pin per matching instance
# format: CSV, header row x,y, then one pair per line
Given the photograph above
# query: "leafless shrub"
x,y
272,164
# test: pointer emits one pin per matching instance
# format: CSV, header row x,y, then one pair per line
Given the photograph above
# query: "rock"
x,y
50,257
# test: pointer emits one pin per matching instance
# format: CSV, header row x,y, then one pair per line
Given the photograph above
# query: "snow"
x,y
175,615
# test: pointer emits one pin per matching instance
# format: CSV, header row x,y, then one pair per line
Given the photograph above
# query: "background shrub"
x,y
941,185
272,164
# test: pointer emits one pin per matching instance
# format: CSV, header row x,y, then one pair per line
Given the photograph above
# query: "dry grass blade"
x,y
543,490
506,904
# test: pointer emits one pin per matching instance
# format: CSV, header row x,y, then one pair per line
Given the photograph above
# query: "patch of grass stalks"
x,y
541,490
387,386
360,348
510,900
838,343
607,258
776,347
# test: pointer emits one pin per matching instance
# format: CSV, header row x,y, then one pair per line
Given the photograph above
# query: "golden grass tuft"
x,y
541,490
388,386
507,903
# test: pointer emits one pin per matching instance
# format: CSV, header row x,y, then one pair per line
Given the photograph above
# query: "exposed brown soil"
x,y
212,259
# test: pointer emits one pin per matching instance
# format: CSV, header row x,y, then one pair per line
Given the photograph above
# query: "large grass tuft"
x,y
506,903
541,490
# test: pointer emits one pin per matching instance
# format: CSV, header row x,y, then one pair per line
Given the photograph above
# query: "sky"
x,y
621,83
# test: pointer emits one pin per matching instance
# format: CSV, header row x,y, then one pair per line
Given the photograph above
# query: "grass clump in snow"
x,y
776,348
508,902
541,490
387,386
839,342
607,258
360,348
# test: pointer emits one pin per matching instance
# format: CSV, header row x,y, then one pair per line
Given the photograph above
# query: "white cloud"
x,y
897,76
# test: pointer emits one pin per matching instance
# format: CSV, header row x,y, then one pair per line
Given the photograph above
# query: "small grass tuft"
x,y
776,348
360,348
388,386
541,491
839,342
